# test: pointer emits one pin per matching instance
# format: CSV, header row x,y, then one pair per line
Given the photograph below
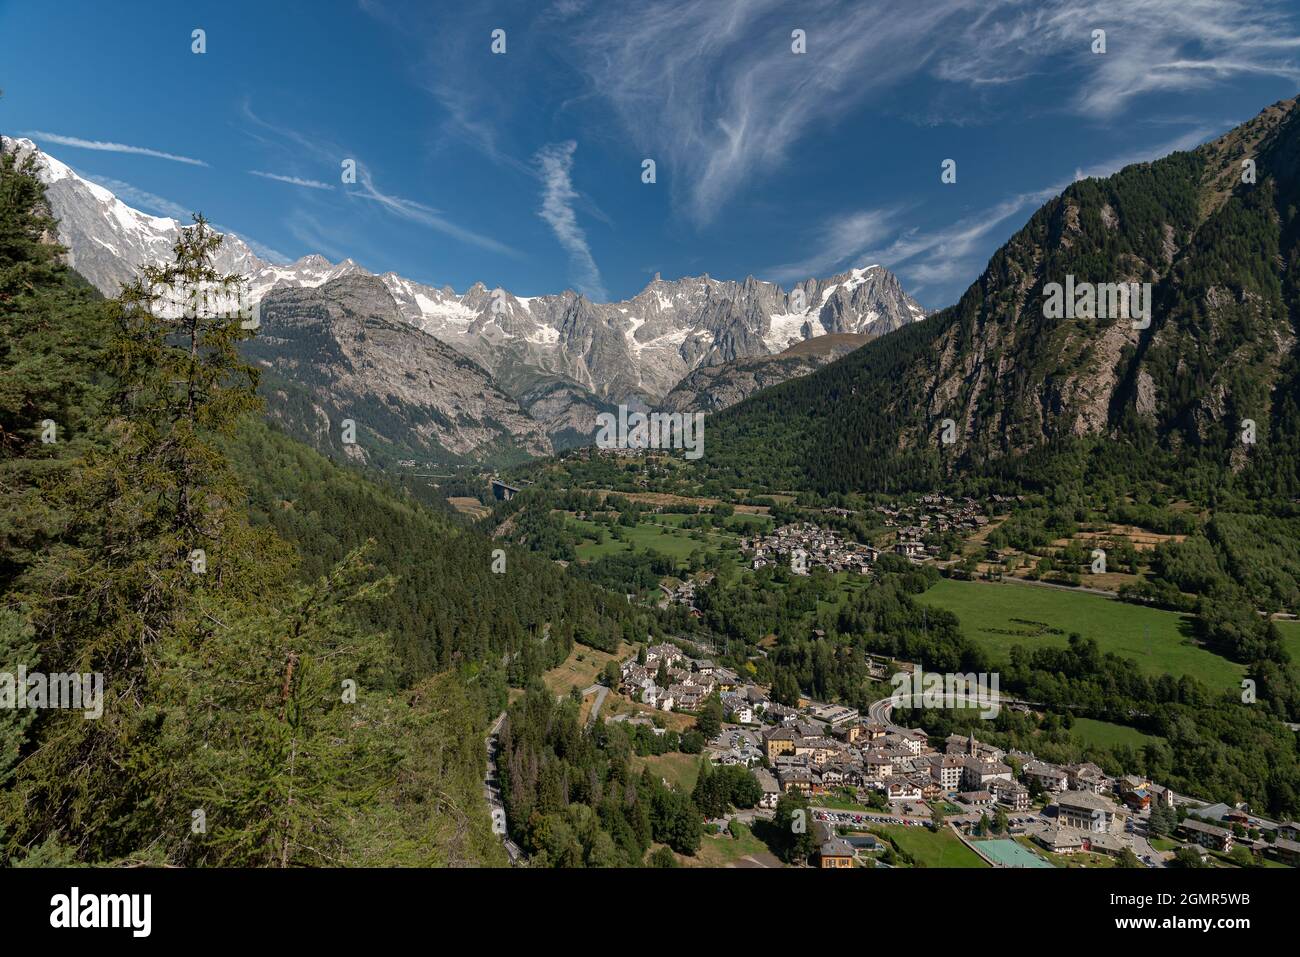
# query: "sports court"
x,y
1006,853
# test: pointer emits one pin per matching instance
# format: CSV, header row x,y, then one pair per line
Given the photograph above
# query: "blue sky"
x,y
524,169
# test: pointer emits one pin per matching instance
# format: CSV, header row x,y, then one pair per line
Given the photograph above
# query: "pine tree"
x,y
709,723
156,538
17,649
294,742
52,326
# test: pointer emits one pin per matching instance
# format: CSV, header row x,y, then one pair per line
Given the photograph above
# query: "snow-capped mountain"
x,y
645,345
637,348
108,240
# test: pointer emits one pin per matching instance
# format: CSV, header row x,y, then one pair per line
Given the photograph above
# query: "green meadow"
x,y
649,533
1104,734
998,616
1291,637
941,848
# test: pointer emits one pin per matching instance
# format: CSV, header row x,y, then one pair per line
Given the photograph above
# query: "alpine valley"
x,y
312,564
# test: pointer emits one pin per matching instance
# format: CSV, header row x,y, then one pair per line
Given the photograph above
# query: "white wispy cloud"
x,y
952,252
143,199
714,89
922,257
276,136
107,147
841,241
555,168
1152,46
417,212
291,180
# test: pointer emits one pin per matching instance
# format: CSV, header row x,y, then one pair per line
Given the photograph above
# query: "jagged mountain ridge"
x,y
645,345
639,347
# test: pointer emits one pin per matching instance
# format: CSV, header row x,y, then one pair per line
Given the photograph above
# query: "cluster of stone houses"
x,y
809,760
813,758
942,513
935,514
819,747
1278,839
804,546
689,683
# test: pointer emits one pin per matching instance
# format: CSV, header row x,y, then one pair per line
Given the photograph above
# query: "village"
x,y
1010,808
803,546
942,513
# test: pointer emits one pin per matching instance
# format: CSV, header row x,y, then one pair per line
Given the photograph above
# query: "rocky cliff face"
x,y
346,350
714,388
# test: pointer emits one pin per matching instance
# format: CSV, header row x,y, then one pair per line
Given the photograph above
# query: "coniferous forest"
x,y
300,663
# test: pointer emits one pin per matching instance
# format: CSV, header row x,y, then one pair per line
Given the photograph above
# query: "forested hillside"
x,y
448,608
1030,396
297,662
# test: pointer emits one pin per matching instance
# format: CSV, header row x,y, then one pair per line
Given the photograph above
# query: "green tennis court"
x,y
1010,854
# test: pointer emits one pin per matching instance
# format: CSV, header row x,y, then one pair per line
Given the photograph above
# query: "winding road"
x,y
492,792
881,711
600,691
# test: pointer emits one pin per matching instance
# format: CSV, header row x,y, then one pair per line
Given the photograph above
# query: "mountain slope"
x,y
714,388
1221,257
346,347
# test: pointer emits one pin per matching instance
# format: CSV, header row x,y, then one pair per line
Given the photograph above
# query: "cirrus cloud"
x,y
107,147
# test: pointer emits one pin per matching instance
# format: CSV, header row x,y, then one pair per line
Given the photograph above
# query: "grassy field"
x,y
679,770
998,616
723,850
580,669
941,848
1291,637
675,543
469,506
622,704
1083,860
1104,734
